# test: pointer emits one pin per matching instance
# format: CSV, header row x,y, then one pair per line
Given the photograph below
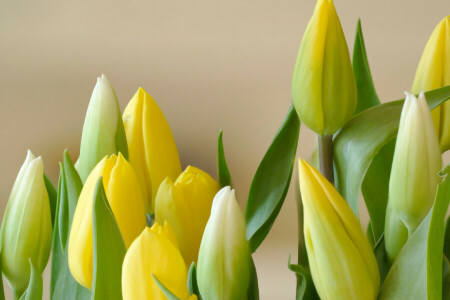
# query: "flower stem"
x,y
326,157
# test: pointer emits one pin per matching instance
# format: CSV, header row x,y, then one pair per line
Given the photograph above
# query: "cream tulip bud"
x,y
224,260
26,232
103,131
414,174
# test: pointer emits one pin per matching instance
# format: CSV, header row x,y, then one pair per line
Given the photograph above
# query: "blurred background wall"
x,y
210,65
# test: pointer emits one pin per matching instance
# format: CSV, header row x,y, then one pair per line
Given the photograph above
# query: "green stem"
x,y
326,157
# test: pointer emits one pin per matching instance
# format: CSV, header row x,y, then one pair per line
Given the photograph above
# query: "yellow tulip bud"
x,y
341,260
186,204
152,149
323,84
127,203
103,132
414,174
434,72
26,232
224,260
153,253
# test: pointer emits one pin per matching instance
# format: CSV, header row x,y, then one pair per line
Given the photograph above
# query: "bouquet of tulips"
x,y
125,222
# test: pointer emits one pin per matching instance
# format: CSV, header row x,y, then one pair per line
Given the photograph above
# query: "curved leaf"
x,y
271,181
447,239
305,286
357,143
253,288
192,281
108,248
34,289
417,271
169,295
222,168
62,284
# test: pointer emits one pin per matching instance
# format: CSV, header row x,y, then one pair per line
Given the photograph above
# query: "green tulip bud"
x,y
26,232
224,260
414,174
323,84
103,131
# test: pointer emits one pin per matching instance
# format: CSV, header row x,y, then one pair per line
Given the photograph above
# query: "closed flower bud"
x,y
103,132
341,260
153,152
323,84
26,231
127,203
186,204
414,174
434,72
154,253
224,259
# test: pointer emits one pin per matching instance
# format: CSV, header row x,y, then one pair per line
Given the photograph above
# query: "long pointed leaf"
x,y
62,284
169,295
51,191
363,137
108,247
417,271
223,173
271,181
35,286
305,285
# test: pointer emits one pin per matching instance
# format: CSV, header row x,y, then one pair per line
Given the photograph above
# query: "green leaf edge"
x,y
164,289
223,173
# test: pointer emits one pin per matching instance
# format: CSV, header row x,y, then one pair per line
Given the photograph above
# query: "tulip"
x,y
414,174
186,204
154,253
323,84
341,260
103,132
127,203
153,152
434,72
26,232
224,259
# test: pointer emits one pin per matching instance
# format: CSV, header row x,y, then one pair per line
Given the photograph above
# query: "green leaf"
x,y
417,271
376,182
382,259
2,291
121,138
253,288
367,95
447,239
108,248
34,289
445,279
166,291
357,143
51,191
62,284
222,168
192,281
305,285
271,181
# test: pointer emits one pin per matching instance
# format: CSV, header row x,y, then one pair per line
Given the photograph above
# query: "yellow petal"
x,y
165,230
132,121
186,204
127,203
152,253
125,198
80,239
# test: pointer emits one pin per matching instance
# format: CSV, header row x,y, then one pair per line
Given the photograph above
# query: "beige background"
x,y
210,65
